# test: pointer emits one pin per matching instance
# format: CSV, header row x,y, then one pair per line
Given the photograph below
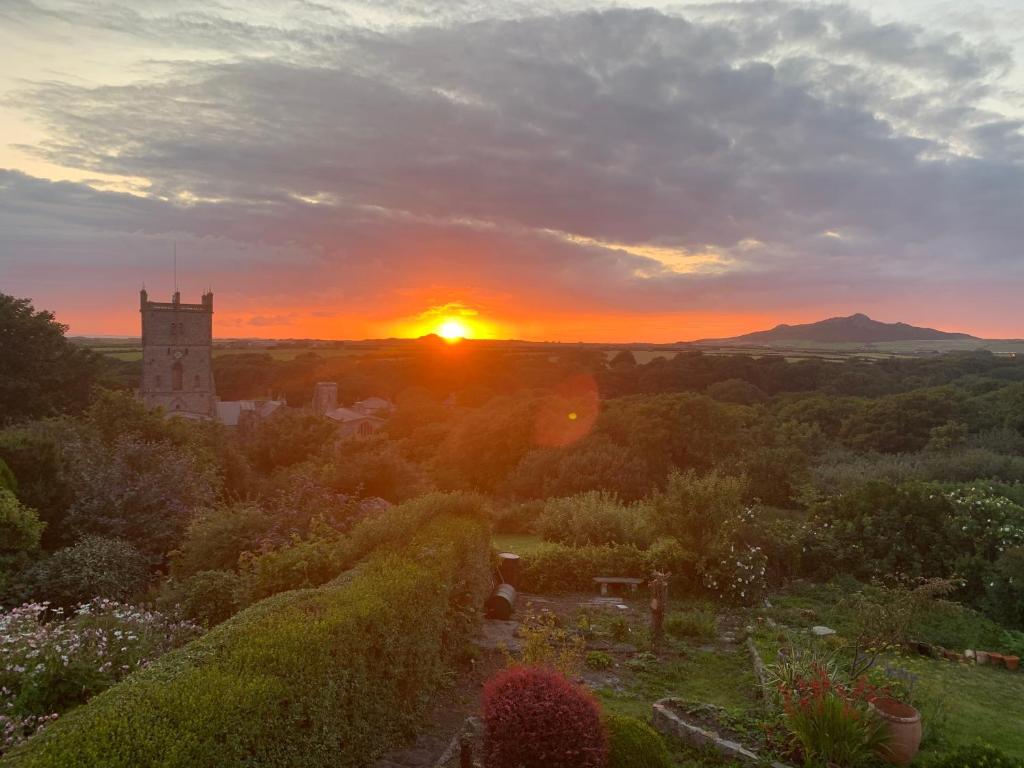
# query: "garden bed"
x,y
706,726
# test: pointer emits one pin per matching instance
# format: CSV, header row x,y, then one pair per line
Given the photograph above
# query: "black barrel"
x,y
500,603
508,568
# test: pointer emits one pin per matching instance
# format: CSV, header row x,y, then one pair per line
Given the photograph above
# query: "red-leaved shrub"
x,y
537,718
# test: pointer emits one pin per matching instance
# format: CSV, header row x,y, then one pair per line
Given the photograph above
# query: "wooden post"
x,y
659,598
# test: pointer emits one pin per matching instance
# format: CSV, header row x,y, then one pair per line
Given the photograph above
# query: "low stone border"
x,y
760,673
671,724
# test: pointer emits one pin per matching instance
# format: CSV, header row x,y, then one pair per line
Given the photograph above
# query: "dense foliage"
x,y
633,743
54,659
536,716
41,372
341,671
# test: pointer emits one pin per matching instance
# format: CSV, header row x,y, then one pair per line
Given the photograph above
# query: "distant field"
x,y
131,354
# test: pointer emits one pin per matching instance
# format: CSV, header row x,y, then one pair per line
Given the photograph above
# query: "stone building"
x,y
177,340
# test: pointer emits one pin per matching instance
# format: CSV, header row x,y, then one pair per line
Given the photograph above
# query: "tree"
x,y
41,372
287,438
140,491
693,507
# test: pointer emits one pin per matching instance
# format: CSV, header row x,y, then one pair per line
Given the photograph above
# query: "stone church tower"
x,y
176,347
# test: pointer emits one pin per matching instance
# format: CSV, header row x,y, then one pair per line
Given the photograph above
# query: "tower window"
x,y
177,376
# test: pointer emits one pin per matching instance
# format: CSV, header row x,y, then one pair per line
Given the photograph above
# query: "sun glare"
x,y
452,330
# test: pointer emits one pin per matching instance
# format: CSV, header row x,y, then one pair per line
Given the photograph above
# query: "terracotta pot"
x,y
995,658
903,730
950,655
981,657
1012,662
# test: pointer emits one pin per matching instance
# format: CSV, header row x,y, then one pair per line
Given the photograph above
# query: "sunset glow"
x,y
466,197
453,330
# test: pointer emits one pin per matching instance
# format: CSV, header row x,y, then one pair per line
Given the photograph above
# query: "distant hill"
x,y
855,328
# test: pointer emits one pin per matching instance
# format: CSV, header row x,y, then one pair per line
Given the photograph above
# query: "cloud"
x,y
628,160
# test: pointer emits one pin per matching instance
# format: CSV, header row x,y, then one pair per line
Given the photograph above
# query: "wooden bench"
x,y
604,581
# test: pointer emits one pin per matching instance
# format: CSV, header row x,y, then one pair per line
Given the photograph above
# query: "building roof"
x,y
345,415
229,412
373,404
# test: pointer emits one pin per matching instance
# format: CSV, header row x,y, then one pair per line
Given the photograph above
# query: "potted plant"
x,y
981,657
902,727
1012,662
996,659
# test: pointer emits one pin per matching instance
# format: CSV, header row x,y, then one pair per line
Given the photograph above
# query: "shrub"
x,y
208,597
696,623
140,491
7,479
634,744
538,717
316,677
560,568
217,536
598,660
518,518
693,507
94,567
20,527
736,573
594,518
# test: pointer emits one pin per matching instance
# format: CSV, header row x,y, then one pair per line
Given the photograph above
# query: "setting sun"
x,y
453,330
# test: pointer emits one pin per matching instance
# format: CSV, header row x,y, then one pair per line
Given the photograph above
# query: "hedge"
x,y
634,744
331,676
563,568
318,560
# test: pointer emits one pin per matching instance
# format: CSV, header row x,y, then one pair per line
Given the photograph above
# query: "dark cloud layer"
x,y
804,151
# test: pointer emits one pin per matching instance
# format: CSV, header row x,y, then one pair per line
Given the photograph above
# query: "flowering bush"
x,y
538,717
737,575
829,722
52,660
985,517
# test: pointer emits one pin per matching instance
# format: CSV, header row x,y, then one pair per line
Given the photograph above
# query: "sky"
x,y
594,171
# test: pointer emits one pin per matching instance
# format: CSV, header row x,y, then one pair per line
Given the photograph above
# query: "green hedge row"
x,y
563,568
318,560
331,676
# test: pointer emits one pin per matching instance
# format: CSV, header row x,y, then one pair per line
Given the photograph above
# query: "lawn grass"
x,y
517,543
969,703
979,703
718,677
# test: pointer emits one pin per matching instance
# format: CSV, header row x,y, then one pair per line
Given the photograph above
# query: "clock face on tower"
x,y
177,354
